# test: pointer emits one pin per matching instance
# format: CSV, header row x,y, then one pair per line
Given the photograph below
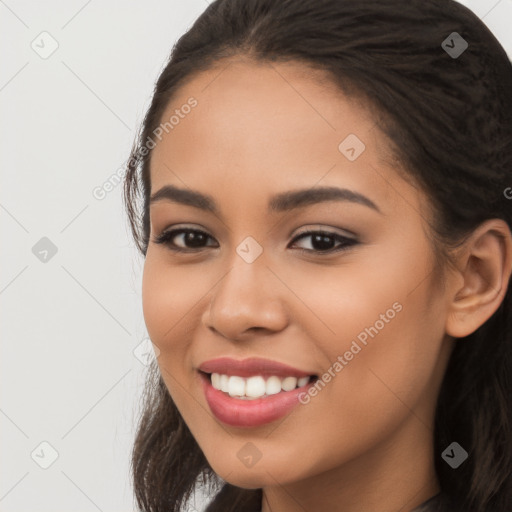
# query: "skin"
x,y
365,442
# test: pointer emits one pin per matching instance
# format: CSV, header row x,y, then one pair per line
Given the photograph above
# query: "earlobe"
x,y
485,266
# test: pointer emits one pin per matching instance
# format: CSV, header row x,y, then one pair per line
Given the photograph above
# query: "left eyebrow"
x,y
296,198
282,202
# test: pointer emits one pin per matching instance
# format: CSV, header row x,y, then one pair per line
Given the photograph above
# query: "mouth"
x,y
256,386
230,401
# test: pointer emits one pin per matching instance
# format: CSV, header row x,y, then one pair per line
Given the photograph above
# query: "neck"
x,y
397,474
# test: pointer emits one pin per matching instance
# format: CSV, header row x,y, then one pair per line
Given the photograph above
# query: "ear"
x,y
481,281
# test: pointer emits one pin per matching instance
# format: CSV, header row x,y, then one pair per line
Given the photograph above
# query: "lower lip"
x,y
250,413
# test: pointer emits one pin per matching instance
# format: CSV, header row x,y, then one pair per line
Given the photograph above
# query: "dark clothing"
x,y
431,505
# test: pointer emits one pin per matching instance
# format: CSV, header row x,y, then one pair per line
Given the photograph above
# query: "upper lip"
x,y
251,366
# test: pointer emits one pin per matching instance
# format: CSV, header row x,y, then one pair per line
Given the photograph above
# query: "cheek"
x,y
168,299
375,391
385,321
374,293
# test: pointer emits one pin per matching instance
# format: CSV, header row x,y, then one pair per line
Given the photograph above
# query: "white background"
x,y
70,325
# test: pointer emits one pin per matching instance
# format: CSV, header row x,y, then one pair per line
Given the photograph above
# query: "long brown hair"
x,y
449,121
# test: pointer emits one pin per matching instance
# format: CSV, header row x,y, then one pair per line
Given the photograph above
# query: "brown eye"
x,y
324,241
189,239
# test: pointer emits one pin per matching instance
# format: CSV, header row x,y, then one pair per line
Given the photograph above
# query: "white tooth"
x,y
273,385
224,383
255,386
216,380
289,383
236,386
302,381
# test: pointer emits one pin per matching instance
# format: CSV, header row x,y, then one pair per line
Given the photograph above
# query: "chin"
x,y
247,478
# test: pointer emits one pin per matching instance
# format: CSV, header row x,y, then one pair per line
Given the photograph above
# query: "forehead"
x,y
252,101
266,124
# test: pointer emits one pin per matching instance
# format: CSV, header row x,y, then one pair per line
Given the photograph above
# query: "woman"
x,y
319,189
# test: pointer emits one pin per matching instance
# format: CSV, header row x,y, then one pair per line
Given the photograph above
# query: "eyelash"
x,y
166,237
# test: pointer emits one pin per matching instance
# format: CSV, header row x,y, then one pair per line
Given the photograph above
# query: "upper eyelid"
x,y
310,230
330,231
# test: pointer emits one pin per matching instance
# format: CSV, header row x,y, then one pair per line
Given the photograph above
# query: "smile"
x,y
257,386
241,410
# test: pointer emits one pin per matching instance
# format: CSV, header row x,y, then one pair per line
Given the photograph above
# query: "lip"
x,y
250,413
251,366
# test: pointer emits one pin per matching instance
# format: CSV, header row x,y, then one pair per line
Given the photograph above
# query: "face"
x,y
340,286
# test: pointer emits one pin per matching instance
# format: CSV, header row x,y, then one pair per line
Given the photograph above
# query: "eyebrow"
x,y
282,202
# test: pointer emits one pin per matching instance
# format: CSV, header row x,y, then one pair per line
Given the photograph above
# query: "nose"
x,y
247,300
